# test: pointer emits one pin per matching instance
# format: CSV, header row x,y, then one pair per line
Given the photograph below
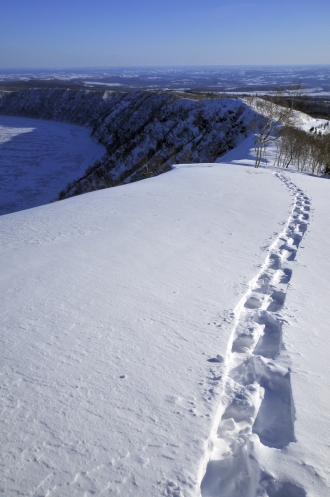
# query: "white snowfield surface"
x,y
39,158
169,337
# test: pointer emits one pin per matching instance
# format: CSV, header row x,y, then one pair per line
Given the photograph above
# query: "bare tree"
x,y
276,110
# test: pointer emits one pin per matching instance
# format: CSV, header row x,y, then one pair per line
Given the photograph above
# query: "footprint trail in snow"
x,y
258,397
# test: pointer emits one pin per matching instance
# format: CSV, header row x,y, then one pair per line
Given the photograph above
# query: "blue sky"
x,y
82,33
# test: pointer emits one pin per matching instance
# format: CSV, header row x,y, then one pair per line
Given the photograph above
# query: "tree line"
x,y
308,150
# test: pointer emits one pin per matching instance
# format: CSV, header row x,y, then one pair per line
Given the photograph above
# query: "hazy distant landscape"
x,y
234,79
216,80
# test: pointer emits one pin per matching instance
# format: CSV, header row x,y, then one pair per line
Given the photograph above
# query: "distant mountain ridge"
x,y
144,132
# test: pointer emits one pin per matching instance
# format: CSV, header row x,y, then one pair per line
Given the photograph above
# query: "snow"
x,y
281,368
321,126
152,327
101,83
39,158
308,343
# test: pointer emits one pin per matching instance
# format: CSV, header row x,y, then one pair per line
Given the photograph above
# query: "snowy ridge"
x,y
257,406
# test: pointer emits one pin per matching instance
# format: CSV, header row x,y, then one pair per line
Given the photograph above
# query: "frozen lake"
x,y
39,158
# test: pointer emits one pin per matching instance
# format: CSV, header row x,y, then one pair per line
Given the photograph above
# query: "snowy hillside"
x,y
144,133
169,337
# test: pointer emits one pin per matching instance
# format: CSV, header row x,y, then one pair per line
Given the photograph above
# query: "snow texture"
x,y
169,337
39,158
258,387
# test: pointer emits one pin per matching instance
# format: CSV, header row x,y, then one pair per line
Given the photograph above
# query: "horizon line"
x,y
76,68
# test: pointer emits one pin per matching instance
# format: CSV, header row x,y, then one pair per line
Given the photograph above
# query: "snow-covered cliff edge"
x,y
145,133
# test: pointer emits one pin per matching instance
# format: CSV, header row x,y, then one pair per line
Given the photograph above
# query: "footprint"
x,y
242,408
248,334
282,276
277,301
296,239
287,253
274,423
253,302
262,285
302,227
269,344
260,390
274,261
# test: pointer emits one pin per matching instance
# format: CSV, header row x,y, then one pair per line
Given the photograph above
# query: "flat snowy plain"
x,y
39,158
167,328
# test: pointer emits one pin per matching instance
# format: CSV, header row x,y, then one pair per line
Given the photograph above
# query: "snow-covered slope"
x,y
308,342
144,326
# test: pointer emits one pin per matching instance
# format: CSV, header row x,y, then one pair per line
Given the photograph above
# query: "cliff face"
x,y
145,133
